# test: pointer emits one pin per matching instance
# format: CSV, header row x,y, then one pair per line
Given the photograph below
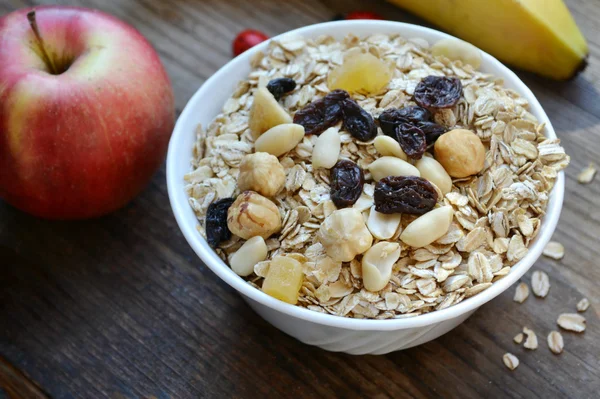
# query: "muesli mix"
x,y
373,177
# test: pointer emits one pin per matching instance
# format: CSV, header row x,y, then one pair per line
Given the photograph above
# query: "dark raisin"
x,y
432,131
404,194
412,140
216,222
358,122
392,117
346,181
321,114
438,92
278,87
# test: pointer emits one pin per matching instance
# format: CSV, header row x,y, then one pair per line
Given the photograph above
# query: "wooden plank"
x,y
15,384
121,307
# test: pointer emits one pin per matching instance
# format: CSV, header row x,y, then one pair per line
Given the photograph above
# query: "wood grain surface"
x,y
120,307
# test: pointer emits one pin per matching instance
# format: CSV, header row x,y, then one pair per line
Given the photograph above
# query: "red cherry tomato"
x,y
363,15
246,39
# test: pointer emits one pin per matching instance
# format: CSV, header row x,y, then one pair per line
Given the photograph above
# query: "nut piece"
x,y
428,227
344,235
266,113
261,172
284,279
280,139
327,149
383,226
251,215
455,49
460,152
433,171
510,361
387,146
555,342
377,264
243,260
391,166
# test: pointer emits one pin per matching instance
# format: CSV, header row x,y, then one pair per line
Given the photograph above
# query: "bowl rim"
x,y
179,200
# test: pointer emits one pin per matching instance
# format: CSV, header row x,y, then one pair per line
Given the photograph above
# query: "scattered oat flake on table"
x,y
521,293
518,338
587,174
510,361
531,342
571,322
583,305
540,283
554,250
555,342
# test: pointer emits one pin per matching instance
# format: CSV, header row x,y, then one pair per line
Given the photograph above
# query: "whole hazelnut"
x,y
460,152
261,172
252,215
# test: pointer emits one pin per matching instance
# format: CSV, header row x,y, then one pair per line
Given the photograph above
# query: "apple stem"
x,y
34,27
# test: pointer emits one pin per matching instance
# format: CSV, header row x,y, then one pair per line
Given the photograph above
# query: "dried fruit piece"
x,y
278,87
346,181
216,222
392,117
555,342
265,113
358,122
246,39
321,114
360,72
438,92
404,194
510,361
284,279
412,140
432,131
571,322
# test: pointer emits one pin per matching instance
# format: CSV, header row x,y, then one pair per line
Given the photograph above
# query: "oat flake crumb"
x,y
531,342
583,305
571,322
521,293
518,338
587,174
510,361
554,250
555,342
540,283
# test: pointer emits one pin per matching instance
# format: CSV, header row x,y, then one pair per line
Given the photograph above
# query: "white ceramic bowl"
x,y
355,336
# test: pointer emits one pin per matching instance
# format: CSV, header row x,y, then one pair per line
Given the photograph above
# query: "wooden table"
x,y
121,307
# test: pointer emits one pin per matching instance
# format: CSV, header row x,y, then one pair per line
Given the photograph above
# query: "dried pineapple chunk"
x,y
266,113
284,279
360,72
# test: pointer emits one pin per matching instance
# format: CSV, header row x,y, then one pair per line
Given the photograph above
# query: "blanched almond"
x,y
327,149
377,264
433,171
253,251
280,139
381,225
428,227
387,146
391,166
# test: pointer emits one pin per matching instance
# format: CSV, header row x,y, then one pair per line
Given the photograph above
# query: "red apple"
x,y
86,112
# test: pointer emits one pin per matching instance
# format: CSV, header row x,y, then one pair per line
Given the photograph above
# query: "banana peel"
x,y
540,36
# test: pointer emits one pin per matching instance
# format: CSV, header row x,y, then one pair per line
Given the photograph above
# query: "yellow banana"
x,y
539,36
